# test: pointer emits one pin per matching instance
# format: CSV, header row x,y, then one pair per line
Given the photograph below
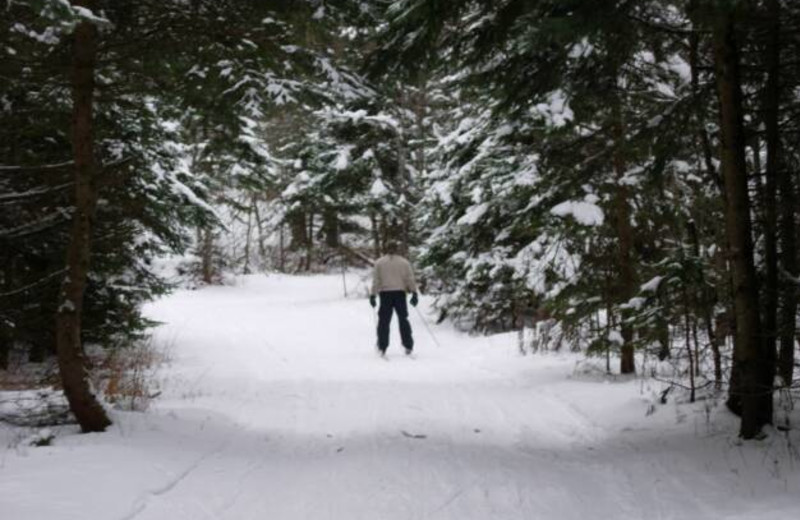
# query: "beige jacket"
x,y
393,273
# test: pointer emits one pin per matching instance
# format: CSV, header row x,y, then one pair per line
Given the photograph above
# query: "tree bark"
x,y
751,361
788,207
262,250
5,349
708,297
691,355
310,242
71,359
404,180
698,104
789,263
207,255
298,229
331,228
282,247
624,230
376,237
247,240
773,140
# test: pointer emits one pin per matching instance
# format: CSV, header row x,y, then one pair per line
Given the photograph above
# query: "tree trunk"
x,y
751,360
5,349
788,207
298,230
788,324
698,104
71,359
376,237
790,267
404,180
421,112
331,228
282,249
691,355
38,349
310,241
624,230
207,255
715,327
262,250
247,240
384,228
609,315
774,163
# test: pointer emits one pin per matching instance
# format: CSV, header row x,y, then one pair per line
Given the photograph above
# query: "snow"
x,y
342,160
581,49
474,214
30,407
615,336
556,110
652,284
182,189
584,212
275,406
49,36
636,303
679,66
378,189
66,306
89,16
632,177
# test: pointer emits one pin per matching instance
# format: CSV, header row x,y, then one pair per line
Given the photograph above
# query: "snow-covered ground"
x,y
275,407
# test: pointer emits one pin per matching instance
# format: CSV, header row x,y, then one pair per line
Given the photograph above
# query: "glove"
x,y
372,300
414,299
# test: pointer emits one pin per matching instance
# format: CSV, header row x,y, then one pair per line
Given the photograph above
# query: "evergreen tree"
x,y
605,113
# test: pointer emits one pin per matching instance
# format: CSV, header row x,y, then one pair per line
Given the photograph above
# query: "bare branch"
x,y
40,167
33,285
16,197
31,228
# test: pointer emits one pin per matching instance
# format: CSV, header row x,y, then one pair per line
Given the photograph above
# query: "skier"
x,y
392,278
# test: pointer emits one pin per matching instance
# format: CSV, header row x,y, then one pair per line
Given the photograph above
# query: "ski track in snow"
x,y
276,406
143,501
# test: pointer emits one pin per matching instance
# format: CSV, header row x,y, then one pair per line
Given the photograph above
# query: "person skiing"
x,y
392,278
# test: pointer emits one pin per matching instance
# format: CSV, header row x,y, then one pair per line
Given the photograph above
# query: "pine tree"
x,y
623,98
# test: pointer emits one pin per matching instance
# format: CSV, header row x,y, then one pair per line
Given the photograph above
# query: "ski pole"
x,y
428,327
374,313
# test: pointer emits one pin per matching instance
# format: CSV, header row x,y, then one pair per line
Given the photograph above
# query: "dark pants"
x,y
392,301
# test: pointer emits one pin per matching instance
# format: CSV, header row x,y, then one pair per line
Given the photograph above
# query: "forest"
x,y
618,176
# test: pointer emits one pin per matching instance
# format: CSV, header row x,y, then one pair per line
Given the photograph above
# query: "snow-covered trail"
x,y
276,407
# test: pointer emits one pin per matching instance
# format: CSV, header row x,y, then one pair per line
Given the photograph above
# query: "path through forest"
x,y
275,406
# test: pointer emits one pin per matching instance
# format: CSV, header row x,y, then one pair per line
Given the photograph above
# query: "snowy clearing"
x,y
276,407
